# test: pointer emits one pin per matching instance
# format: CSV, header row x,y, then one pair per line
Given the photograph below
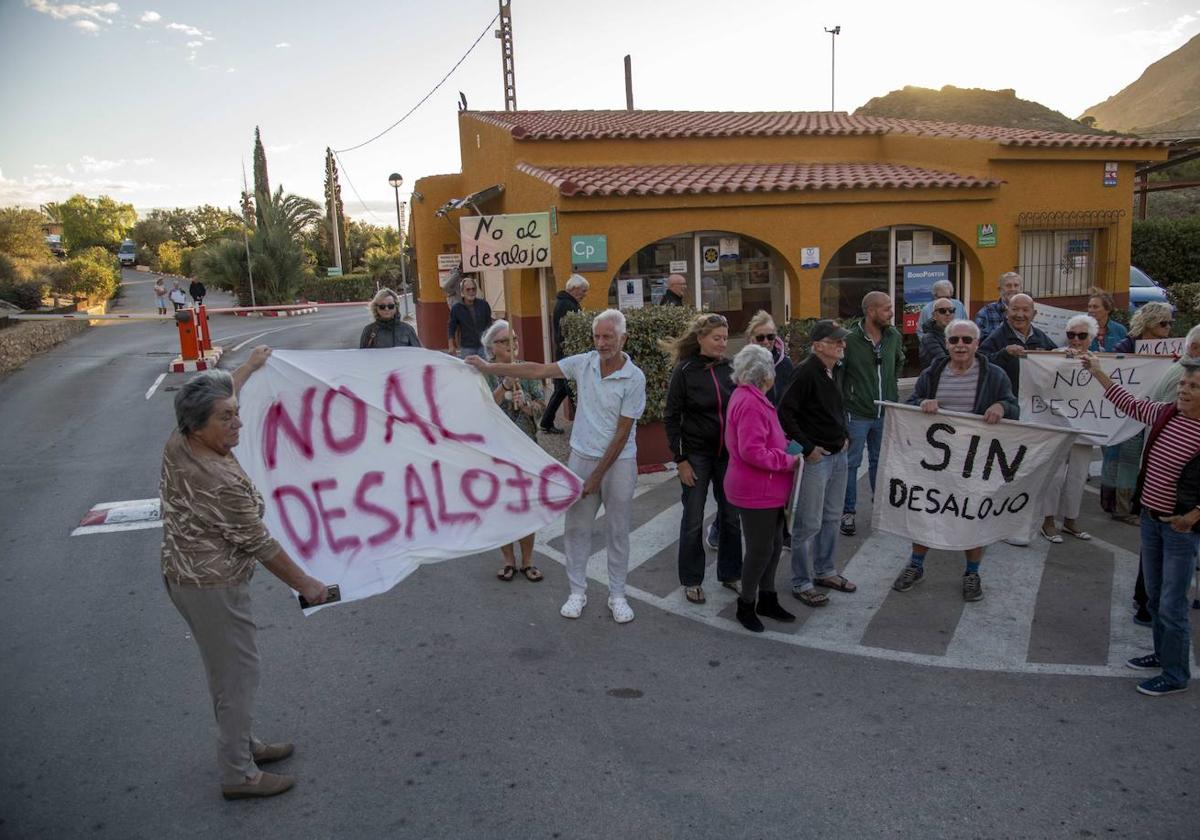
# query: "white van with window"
x,y
127,253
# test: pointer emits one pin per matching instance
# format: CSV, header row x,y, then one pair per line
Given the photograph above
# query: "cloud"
x,y
282,45
95,165
67,11
194,44
86,25
185,28
1169,35
280,148
150,17
32,191
230,69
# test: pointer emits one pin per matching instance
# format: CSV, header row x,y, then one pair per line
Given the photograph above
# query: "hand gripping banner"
x,y
1058,391
949,480
374,462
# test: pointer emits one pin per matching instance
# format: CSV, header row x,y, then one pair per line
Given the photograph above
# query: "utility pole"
x,y
333,218
833,33
628,84
246,236
504,33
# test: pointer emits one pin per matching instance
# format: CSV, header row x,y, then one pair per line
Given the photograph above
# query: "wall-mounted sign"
x,y
1110,174
629,293
678,267
729,247
515,241
862,258
710,257
918,290
922,246
449,262
333,271
904,252
810,257
985,236
589,253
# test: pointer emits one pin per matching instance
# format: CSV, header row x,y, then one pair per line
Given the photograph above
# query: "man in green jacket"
x,y
872,365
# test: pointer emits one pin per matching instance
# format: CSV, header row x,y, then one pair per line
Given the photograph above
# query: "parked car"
x,y
1142,289
54,243
127,253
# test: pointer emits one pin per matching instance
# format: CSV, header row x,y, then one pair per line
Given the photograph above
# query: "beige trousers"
x,y
224,630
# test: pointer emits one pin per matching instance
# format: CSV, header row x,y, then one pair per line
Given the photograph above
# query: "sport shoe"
x,y
622,613
710,537
910,576
1149,662
1158,686
848,524
573,608
972,587
1143,617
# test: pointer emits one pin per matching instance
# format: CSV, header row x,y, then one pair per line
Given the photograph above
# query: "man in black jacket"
x,y
1005,346
673,296
566,301
813,415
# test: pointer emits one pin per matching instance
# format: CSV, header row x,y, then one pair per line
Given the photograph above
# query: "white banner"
x,y
1161,346
1052,320
373,462
949,480
518,240
1059,392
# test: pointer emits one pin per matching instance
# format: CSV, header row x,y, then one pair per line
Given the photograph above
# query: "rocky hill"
x,y
1164,100
974,106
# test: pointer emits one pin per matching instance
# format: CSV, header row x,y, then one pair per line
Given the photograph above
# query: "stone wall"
x,y
21,342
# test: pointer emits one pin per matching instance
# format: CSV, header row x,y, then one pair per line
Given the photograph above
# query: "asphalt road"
x,y
459,706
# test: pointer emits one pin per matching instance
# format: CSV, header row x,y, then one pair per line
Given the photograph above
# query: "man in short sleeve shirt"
x,y
611,397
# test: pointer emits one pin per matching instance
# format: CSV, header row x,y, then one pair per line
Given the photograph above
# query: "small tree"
x,y
21,234
262,184
91,222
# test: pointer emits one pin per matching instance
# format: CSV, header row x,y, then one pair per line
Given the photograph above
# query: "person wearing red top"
x,y
758,482
1168,498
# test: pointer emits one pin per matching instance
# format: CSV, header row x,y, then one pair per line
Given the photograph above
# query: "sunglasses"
x,y
965,339
387,306
1165,323
941,310
1079,336
766,337
716,321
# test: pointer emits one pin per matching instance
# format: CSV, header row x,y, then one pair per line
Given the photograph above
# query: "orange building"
x,y
799,213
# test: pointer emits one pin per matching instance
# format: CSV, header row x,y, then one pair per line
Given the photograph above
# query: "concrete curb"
x,y
278,313
207,362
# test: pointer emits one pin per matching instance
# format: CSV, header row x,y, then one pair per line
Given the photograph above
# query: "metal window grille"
x,y
1065,254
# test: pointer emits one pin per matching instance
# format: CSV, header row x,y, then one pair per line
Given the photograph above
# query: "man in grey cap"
x,y
813,415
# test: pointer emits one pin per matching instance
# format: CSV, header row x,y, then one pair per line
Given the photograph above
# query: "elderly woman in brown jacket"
x,y
213,538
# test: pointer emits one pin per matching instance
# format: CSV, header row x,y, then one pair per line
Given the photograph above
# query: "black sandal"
x,y
532,573
507,573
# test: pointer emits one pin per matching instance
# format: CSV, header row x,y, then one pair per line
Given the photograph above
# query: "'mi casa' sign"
x,y
519,240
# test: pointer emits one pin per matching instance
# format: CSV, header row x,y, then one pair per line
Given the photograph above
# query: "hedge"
x,y
1168,249
643,329
1186,299
338,289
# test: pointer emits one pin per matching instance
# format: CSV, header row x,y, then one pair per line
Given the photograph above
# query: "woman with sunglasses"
x,y
761,331
1118,476
522,400
385,329
1064,493
933,342
697,400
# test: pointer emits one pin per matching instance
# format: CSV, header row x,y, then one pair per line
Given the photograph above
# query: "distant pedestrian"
x,y
197,291
933,342
1100,306
991,316
940,289
612,396
387,328
568,300
213,539
468,319
178,298
676,287
160,296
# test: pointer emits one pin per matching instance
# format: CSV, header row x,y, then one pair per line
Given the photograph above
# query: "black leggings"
x,y
763,532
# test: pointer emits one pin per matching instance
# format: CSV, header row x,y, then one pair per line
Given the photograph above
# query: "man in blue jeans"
x,y
873,361
813,415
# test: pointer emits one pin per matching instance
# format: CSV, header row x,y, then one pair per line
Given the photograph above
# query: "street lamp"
x,y
397,180
833,33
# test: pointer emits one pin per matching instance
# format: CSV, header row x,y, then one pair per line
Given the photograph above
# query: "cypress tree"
x,y
262,186
334,212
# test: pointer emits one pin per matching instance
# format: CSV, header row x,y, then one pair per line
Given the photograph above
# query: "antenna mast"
x,y
504,33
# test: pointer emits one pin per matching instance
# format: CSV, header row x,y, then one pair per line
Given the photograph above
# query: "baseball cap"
x,y
826,328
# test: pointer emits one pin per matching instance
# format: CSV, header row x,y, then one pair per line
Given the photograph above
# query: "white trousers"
x,y
1064,493
616,492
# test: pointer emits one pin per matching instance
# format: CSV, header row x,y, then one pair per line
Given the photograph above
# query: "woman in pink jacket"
x,y
758,482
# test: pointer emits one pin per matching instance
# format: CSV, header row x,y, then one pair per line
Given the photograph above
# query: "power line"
x,y
426,96
346,172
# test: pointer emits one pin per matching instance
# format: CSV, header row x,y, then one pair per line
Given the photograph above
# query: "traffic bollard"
x,y
189,344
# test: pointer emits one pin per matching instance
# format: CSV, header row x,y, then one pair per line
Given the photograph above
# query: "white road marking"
x,y
109,527
268,332
996,630
872,569
154,387
127,503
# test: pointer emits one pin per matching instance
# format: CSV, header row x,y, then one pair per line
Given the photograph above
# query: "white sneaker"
x,y
622,613
1019,542
573,608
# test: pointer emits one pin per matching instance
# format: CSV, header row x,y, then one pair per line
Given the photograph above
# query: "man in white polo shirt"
x,y
612,396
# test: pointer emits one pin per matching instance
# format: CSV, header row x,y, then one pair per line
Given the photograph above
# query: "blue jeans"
x,y
869,431
692,559
1168,558
818,512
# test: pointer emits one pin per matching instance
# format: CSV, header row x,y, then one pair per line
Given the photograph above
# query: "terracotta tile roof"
x,y
592,125
685,179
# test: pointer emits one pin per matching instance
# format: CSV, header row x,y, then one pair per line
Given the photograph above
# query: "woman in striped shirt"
x,y
1168,495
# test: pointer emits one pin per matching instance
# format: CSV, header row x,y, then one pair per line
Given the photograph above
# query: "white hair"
x,y
1192,337
1088,323
489,335
576,281
971,326
753,365
946,286
614,317
1009,274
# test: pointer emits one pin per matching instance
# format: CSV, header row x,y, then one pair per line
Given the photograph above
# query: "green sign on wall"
x,y
589,253
985,236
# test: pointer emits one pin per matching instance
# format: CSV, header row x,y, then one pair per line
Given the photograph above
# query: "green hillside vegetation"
x,y
973,106
1165,99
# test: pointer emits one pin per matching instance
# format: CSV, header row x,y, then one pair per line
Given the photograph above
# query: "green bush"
x,y
170,257
348,287
93,273
1186,299
644,328
795,336
27,295
1168,249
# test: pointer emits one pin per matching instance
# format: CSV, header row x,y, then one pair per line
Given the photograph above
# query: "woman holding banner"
x,y
1118,476
1109,333
522,401
213,539
1064,493
758,483
1167,498
964,381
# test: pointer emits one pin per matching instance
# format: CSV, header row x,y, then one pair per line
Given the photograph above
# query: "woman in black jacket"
x,y
697,397
387,329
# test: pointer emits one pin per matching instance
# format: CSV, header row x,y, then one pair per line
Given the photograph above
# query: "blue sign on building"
x,y
919,280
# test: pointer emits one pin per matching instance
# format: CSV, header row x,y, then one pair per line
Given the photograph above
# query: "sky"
x,y
155,103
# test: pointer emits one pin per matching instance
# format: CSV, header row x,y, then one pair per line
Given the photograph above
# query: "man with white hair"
x,y
941,289
673,296
991,317
567,300
612,396
1008,343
